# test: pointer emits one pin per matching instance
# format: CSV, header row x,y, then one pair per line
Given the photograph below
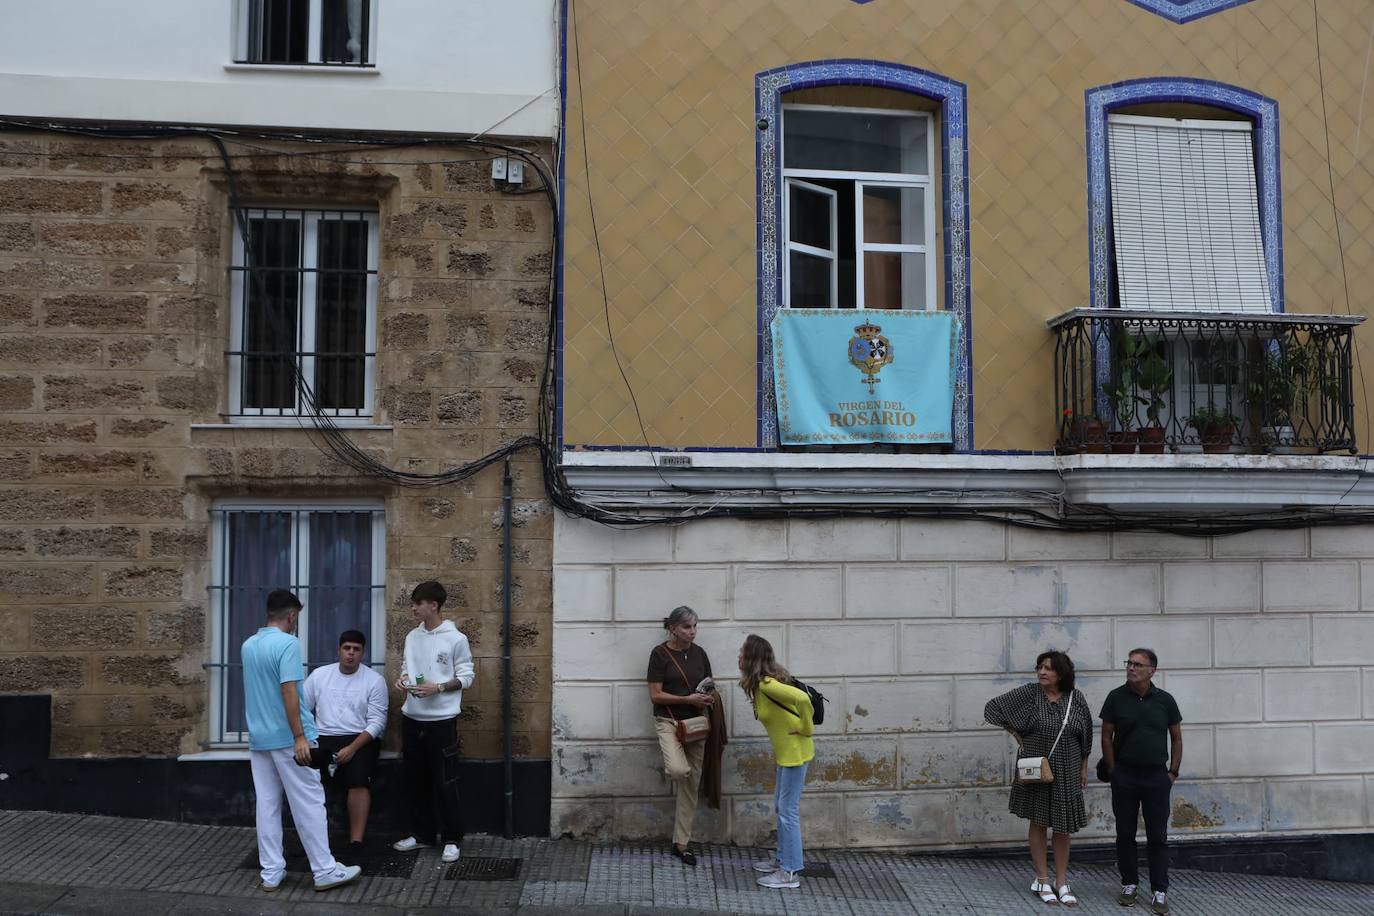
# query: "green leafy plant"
x,y
1210,418
1154,378
1143,378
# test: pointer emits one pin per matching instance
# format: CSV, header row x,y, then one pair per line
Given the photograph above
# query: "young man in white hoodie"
x,y
435,669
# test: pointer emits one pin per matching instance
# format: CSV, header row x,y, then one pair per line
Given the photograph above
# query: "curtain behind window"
x,y
340,596
259,560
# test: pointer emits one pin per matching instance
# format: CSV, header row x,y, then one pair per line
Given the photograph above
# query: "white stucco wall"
x,y
1265,639
442,66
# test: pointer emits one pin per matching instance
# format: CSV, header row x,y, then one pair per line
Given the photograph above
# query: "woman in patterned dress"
x,y
1032,714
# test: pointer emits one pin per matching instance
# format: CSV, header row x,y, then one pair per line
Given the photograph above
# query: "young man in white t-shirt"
x,y
349,701
436,668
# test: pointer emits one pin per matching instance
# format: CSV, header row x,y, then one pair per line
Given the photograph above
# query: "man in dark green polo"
x,y
1136,717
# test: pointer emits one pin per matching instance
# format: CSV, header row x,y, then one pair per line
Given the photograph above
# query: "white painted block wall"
x,y
1266,640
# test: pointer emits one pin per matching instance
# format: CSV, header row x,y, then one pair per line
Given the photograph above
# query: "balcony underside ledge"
x,y
1140,484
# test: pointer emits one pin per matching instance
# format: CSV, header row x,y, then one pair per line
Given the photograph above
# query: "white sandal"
x,y
1045,891
1066,896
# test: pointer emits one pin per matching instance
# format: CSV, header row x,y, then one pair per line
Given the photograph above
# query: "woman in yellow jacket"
x,y
785,713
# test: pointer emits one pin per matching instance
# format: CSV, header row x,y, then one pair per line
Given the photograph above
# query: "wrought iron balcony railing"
x,y
1156,381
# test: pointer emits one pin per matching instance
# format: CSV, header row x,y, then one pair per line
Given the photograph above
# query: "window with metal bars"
x,y
334,33
303,325
332,556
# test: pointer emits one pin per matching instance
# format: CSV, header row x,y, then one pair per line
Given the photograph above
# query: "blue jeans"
x,y
787,802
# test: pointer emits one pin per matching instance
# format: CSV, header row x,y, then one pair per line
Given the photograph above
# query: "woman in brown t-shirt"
x,y
676,669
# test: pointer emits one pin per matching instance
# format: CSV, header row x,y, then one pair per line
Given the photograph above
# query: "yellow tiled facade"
x,y
660,128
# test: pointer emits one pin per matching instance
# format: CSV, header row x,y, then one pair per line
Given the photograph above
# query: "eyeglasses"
x,y
1131,664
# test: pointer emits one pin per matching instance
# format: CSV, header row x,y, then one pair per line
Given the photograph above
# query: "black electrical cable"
x,y
334,441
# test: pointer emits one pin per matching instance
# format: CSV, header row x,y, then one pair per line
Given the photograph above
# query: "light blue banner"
x,y
876,375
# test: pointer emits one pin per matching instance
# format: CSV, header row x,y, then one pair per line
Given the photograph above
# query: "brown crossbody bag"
x,y
692,729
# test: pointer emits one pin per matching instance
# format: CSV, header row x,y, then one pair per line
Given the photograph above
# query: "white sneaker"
x,y
409,844
780,878
767,866
450,853
342,875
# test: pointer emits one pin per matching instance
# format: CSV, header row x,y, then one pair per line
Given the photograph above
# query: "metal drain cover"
x,y
477,868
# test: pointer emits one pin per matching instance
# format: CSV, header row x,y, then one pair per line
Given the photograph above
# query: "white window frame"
x,y
860,179
832,254
300,552
243,19
310,215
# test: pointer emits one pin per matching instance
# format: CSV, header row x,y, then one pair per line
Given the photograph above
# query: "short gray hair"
x,y
1148,653
680,615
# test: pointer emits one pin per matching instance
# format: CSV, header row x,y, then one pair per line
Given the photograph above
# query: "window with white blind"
x,y
858,209
1185,215
331,555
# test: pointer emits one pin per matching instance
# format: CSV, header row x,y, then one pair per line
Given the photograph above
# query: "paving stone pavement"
x,y
75,864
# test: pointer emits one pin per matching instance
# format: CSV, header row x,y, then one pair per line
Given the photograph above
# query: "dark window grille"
x,y
327,556
305,290
1133,380
281,32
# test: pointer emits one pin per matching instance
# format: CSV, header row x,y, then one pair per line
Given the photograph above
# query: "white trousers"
x,y
275,772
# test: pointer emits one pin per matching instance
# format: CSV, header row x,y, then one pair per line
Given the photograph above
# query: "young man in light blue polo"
x,y
280,733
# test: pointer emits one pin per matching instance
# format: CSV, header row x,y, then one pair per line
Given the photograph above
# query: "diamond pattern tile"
x,y
669,130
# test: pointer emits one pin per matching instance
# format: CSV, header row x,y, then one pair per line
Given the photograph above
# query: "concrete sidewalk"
x,y
63,863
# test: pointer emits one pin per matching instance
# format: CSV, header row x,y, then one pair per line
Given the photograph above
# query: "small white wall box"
x,y
515,172
498,169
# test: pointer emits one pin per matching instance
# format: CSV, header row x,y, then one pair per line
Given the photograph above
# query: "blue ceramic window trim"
x,y
1260,109
1181,11
1263,111
770,85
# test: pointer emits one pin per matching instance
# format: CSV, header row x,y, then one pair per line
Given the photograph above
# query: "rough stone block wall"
x,y
114,317
909,627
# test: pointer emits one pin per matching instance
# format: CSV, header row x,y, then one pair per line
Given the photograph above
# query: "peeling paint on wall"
x,y
1186,816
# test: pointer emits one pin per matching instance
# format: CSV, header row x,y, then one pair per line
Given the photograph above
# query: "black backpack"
x,y
817,701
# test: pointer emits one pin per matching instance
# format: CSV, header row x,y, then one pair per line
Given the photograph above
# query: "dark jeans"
x,y
429,761
1144,790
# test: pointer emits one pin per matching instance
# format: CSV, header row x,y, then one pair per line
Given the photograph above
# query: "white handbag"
x,y
1036,770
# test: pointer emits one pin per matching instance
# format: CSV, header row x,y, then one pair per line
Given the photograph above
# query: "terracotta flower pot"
x,y
1122,442
1152,440
1094,436
1216,440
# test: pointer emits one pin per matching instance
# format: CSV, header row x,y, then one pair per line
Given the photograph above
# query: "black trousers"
x,y
1143,790
429,761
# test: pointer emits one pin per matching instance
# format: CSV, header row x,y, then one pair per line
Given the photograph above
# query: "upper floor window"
x,y
1185,215
325,32
332,556
304,310
858,209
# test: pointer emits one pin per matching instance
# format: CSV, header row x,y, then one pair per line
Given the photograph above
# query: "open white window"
x,y
337,33
1185,215
859,208
304,308
331,555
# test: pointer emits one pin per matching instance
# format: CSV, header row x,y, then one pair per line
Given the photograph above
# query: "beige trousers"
x,y
682,765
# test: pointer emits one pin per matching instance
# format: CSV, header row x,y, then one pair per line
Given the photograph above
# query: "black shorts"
x,y
357,773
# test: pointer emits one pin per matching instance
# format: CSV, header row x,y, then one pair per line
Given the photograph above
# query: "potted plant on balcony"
x,y
1281,392
1124,401
1154,378
1215,427
1088,432
1122,392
